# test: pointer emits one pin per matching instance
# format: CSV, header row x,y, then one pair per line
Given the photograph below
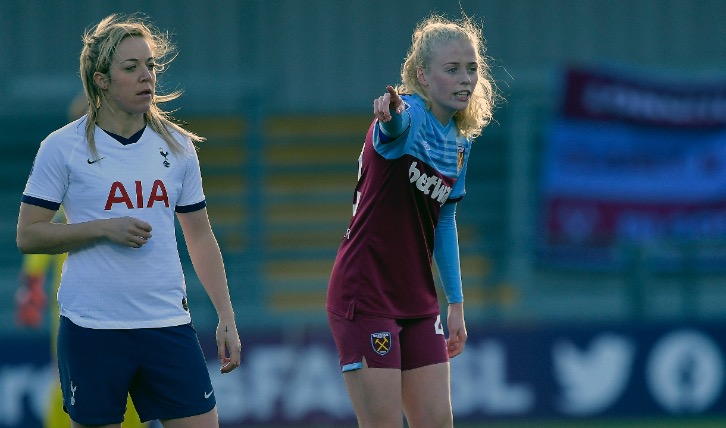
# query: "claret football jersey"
x,y
108,285
383,266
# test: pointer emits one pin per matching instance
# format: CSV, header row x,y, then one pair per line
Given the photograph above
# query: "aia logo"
x,y
118,194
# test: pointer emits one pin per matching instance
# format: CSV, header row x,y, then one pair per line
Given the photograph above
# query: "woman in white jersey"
x,y
382,304
123,172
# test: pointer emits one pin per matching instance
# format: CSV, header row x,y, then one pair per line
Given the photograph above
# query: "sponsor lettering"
x,y
432,186
119,195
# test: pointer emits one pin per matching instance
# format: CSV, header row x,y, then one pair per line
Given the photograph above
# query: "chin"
x,y
143,110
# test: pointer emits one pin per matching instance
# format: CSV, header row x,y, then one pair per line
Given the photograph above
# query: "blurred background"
x,y
592,234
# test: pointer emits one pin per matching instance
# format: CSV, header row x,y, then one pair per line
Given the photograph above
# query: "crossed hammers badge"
x,y
381,342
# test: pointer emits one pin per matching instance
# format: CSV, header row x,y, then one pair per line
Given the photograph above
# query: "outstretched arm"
x,y
388,109
209,266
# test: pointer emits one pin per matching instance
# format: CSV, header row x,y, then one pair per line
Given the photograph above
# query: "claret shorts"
x,y
403,344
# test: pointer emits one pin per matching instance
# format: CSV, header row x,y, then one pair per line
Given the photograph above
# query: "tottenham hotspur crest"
x,y
165,154
381,342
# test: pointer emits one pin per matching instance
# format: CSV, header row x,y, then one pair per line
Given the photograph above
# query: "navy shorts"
x,y
163,369
403,344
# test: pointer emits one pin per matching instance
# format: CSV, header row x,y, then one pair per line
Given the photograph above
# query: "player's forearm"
x,y
456,310
57,238
446,254
209,267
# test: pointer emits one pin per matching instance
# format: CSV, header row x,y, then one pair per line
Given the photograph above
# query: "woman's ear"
x,y
421,77
100,80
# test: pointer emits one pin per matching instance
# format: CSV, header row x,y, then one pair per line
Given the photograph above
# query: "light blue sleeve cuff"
x,y
398,124
446,254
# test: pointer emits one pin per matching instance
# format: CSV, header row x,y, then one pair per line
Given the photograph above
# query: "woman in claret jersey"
x,y
382,302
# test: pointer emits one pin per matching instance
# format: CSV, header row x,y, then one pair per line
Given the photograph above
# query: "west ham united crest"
x,y
460,152
381,342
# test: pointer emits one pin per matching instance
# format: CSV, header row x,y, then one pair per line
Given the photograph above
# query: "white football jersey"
x,y
107,285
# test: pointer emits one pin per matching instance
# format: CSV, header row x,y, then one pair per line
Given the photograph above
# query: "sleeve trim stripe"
x,y
190,208
40,202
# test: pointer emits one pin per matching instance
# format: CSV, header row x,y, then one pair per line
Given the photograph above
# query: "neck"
x,y
124,125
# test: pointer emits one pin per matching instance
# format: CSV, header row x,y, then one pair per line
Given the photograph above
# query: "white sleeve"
x,y
192,191
48,179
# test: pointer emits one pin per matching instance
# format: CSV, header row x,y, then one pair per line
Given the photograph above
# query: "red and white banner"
x,y
632,162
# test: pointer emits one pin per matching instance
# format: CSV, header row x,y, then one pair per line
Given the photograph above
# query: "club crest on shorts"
x,y
381,342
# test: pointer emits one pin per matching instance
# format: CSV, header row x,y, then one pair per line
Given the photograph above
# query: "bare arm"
x,y
36,234
457,329
209,266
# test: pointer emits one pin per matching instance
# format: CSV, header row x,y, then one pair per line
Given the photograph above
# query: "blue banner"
x,y
506,373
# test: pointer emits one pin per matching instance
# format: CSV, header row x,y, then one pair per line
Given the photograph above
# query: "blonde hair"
x,y
99,49
427,36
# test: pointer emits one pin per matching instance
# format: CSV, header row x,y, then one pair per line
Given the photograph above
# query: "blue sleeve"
x,y
395,127
446,254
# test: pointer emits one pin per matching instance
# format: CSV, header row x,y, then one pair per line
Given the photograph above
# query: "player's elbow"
x,y
23,244
26,244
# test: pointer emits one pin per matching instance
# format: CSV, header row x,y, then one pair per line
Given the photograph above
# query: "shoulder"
x,y
463,139
420,113
71,132
66,138
184,146
414,101
184,141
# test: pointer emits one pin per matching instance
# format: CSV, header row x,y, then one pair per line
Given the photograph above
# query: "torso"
x,y
383,266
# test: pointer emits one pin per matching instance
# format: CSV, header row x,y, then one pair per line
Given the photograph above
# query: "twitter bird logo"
x,y
592,379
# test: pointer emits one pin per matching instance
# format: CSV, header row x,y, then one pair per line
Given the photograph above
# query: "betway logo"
x,y
429,185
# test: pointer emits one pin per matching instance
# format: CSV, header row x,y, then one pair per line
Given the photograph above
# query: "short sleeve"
x,y
192,192
48,179
459,189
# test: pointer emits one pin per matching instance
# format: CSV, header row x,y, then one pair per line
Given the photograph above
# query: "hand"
x,y
457,330
128,231
386,103
229,347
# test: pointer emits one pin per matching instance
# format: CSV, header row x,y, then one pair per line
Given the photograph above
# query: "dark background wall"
x,y
263,79
329,55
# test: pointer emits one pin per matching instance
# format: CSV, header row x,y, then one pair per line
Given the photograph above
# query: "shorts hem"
x,y
432,363
95,422
186,413
351,367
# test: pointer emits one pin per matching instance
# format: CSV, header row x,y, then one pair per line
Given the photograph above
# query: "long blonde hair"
x,y
99,48
428,34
